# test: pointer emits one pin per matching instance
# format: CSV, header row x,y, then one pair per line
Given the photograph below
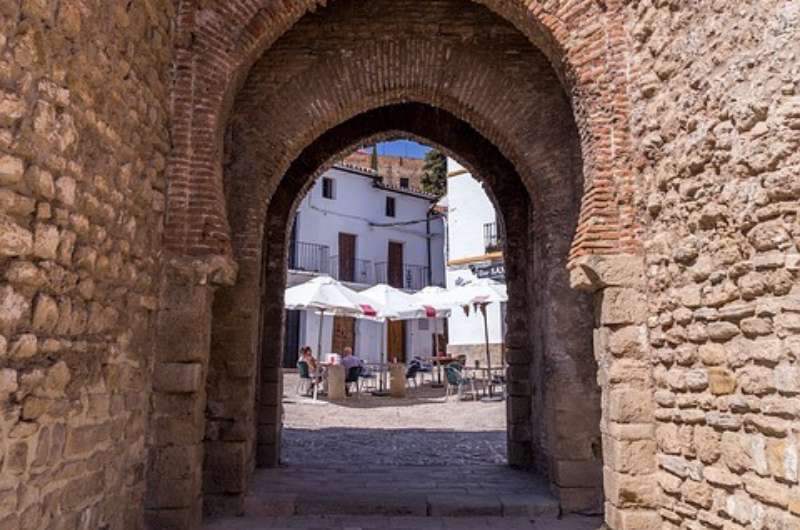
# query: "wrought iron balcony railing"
x,y
412,277
309,257
493,237
360,271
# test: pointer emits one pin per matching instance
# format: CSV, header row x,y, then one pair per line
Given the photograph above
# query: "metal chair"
x,y
412,371
368,380
458,380
353,376
306,382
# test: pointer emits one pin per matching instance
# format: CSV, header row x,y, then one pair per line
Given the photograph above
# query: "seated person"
x,y
350,361
308,358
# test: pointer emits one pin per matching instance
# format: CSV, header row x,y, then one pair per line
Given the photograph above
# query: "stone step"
x,y
383,503
351,522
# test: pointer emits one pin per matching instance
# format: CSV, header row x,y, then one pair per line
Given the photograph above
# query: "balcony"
x,y
309,257
493,238
411,277
360,272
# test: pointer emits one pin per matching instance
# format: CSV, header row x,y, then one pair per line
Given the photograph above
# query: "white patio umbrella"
x,y
391,303
437,304
435,300
479,294
326,295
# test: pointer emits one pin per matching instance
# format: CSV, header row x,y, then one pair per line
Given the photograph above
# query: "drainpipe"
x,y
428,240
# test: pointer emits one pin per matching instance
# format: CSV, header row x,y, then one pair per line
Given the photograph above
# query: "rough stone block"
x,y
45,241
721,381
622,306
178,378
593,272
11,169
226,467
176,462
627,405
178,430
630,491
637,457
173,493
14,309
15,240
577,473
45,314
81,440
632,519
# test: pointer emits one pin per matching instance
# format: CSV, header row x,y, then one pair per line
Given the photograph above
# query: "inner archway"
x,y
534,269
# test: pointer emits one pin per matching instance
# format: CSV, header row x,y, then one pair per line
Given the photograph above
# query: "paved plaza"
x,y
421,429
421,462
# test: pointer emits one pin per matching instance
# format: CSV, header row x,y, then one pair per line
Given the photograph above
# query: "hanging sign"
x,y
494,271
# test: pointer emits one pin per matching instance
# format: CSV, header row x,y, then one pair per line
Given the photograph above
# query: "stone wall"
x,y
477,352
717,117
83,141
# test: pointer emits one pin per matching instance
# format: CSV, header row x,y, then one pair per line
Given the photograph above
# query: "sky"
x,y
405,148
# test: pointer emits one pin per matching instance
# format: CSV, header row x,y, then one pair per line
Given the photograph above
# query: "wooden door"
x,y
395,266
344,334
441,343
347,257
291,341
396,341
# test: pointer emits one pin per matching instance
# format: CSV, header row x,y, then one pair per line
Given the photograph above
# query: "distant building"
x,y
474,250
398,171
361,231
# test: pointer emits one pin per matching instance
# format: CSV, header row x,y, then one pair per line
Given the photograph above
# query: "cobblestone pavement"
x,y
422,429
377,463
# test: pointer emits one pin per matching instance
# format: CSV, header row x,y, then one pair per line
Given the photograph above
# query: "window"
x,y
423,324
327,188
404,183
389,206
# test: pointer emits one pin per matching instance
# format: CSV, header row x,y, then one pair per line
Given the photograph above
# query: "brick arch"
x,y
564,146
216,43
332,101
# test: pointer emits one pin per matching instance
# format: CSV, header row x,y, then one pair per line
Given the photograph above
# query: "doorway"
x,y
344,334
396,341
347,257
395,266
291,346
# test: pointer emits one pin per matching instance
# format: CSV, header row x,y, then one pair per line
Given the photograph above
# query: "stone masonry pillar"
x,y
624,375
177,422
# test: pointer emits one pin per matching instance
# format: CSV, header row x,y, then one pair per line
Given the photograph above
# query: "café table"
x,y
379,369
487,377
439,362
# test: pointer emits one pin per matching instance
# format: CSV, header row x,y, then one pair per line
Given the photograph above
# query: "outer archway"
x,y
495,84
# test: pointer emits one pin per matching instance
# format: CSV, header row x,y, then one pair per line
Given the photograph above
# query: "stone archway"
x,y
500,91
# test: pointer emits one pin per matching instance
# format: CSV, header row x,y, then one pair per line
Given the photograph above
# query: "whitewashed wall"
x,y
468,329
469,208
356,204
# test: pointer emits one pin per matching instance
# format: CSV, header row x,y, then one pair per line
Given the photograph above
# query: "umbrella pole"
x,y
384,340
488,354
381,392
319,335
319,347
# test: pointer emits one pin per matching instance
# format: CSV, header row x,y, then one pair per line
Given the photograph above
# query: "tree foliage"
x,y
434,179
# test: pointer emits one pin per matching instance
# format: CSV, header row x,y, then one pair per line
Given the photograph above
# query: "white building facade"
x,y
362,232
474,250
